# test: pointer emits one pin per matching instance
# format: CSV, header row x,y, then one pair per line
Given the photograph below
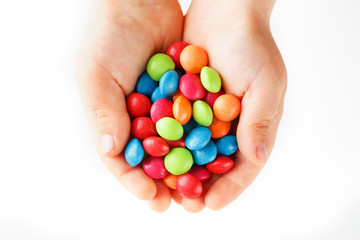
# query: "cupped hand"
x,y
120,36
240,47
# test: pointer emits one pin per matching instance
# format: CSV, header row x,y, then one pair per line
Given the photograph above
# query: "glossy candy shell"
x,y
182,110
219,128
143,127
210,79
198,138
227,107
169,83
138,105
175,50
205,155
191,87
156,95
154,167
210,97
189,186
170,180
177,143
169,128
178,161
227,145
146,85
134,152
220,165
161,108
202,113
193,58
156,146
200,172
158,65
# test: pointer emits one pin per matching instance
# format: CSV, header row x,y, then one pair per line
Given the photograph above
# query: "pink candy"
x,y
154,167
161,108
191,87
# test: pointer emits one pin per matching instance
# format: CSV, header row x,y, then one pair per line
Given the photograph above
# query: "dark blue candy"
x,y
227,145
198,138
134,152
169,83
146,85
191,124
205,155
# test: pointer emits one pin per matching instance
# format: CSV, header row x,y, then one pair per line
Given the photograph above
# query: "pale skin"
x,y
124,34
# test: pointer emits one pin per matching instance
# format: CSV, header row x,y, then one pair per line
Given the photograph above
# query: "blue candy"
x,y
146,85
205,155
169,83
134,152
190,125
156,95
227,145
198,138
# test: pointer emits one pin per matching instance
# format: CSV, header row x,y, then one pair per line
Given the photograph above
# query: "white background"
x,y
53,185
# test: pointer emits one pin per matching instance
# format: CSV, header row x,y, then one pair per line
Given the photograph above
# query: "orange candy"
x,y
193,58
227,107
182,110
170,181
219,128
177,94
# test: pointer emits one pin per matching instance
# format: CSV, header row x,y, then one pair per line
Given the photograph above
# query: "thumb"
x,y
262,107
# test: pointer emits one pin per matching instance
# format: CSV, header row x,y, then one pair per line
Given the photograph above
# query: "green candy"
x,y
210,79
178,161
158,65
169,128
202,113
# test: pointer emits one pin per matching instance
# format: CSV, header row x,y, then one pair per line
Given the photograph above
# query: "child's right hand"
x,y
120,37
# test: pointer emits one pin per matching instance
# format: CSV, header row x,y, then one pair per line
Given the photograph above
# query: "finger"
x,y
162,200
176,196
109,123
262,107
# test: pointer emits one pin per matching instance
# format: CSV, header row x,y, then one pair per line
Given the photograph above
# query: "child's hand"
x,y
237,38
120,37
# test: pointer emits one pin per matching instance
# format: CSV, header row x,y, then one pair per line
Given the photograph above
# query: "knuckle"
x,y
102,118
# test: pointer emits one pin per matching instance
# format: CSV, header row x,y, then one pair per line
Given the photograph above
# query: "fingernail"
x,y
261,152
107,143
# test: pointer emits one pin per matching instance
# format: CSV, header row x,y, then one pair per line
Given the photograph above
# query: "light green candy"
x,y
158,65
178,161
202,113
210,79
169,128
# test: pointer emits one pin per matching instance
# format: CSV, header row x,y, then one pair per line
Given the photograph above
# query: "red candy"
x,y
175,50
200,172
188,186
211,97
177,143
191,87
220,165
154,167
143,127
161,108
156,146
138,105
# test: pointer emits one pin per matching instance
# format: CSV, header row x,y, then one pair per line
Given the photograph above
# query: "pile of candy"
x,y
180,121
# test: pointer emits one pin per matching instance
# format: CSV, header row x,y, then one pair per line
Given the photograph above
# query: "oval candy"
x,y
200,172
170,181
177,143
202,113
175,50
210,79
134,152
143,127
169,83
227,145
178,161
156,146
169,128
210,97
198,138
161,108
138,105
220,165
219,128
182,110
227,107
156,95
158,65
205,155
191,87
189,186
154,167
146,85
193,58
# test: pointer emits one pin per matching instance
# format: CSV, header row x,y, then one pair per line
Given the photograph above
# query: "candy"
x,y
154,167
227,107
210,79
170,180
182,110
169,128
158,65
138,105
177,143
202,113
156,95
211,97
156,146
175,50
134,152
227,145
200,172
205,155
169,83
145,84
176,95
191,87
191,124
161,108
220,165
219,128
198,138
189,186
178,161
143,127
193,58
